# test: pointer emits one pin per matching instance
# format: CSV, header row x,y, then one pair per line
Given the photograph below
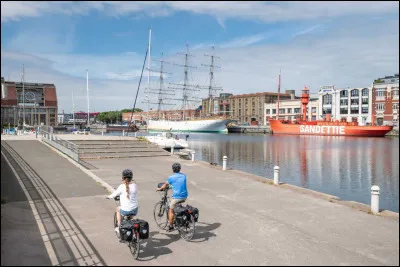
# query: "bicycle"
x,y
184,223
134,241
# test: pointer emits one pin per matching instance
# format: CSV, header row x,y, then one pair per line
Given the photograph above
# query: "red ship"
x,y
325,127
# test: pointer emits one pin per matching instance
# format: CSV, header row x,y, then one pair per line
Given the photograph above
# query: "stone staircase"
x,y
102,149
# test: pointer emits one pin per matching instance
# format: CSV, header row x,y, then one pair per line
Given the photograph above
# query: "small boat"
x,y
167,140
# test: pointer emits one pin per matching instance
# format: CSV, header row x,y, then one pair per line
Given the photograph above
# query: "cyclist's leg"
x,y
119,217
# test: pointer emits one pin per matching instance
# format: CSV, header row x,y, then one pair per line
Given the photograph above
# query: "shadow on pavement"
x,y
154,247
203,231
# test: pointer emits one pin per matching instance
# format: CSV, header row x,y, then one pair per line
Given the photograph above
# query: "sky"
x,y
346,44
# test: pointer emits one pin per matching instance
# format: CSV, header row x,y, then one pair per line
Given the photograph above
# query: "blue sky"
x,y
315,44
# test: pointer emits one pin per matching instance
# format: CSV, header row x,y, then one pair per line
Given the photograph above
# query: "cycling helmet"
x,y
176,167
127,173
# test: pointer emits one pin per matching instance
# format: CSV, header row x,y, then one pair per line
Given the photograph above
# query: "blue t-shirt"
x,y
177,181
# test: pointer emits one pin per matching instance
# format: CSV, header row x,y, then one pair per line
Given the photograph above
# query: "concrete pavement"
x,y
242,221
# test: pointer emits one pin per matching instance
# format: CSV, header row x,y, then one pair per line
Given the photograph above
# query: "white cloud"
x,y
250,10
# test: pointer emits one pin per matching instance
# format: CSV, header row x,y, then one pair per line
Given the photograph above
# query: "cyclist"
x,y
128,200
177,181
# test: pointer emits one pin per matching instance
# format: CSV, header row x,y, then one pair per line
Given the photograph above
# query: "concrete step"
x,y
107,146
119,150
108,142
124,155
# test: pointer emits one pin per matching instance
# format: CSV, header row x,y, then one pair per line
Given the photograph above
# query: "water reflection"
x,y
343,166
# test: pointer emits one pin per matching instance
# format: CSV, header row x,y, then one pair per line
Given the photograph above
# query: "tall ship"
x,y
184,123
326,127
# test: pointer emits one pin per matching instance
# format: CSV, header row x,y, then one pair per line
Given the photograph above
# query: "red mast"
x,y
279,91
305,96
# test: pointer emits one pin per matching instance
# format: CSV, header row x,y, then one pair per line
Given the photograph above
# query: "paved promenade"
x,y
242,221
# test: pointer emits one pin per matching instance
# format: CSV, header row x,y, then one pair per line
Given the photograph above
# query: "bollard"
x,y
172,148
375,199
276,175
123,132
102,133
135,134
224,160
193,152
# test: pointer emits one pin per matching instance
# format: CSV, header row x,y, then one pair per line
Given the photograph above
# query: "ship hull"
x,y
327,129
213,125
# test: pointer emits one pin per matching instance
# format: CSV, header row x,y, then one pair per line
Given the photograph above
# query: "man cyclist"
x,y
177,182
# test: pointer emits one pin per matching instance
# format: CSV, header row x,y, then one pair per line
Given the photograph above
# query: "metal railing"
x,y
65,146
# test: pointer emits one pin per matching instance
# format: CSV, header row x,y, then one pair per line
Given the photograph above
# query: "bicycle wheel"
x,y
187,230
115,224
161,215
134,245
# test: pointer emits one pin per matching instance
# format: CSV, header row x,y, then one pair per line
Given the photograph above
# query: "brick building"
x,y
243,108
40,102
140,117
385,100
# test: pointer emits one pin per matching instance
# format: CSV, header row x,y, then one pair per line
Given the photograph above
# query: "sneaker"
x,y
116,230
170,228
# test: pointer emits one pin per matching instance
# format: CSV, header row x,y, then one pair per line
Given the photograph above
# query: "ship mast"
x,y
210,88
279,93
186,87
161,91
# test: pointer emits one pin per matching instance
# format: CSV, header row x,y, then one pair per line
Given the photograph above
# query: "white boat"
x,y
166,140
196,125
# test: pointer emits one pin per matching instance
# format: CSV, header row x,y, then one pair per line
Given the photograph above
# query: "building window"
x,y
289,110
344,93
297,110
343,102
313,109
327,111
274,111
380,93
365,101
355,92
343,110
395,106
268,111
354,110
281,111
364,92
364,110
327,99
354,101
380,106
395,91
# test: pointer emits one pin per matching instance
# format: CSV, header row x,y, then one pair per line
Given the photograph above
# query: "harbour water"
x,y
346,167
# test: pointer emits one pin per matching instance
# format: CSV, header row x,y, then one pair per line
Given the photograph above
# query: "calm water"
x,y
346,167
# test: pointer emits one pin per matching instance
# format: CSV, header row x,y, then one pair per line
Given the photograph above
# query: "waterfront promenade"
x,y
243,221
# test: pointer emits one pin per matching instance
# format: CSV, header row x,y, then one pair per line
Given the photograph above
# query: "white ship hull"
x,y
212,125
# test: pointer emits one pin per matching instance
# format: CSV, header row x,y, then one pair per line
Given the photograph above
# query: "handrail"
x,y
63,145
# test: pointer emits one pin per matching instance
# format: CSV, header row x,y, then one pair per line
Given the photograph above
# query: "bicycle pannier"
x,y
125,230
143,228
194,211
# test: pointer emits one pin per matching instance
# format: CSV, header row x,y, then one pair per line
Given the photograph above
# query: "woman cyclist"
x,y
128,197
